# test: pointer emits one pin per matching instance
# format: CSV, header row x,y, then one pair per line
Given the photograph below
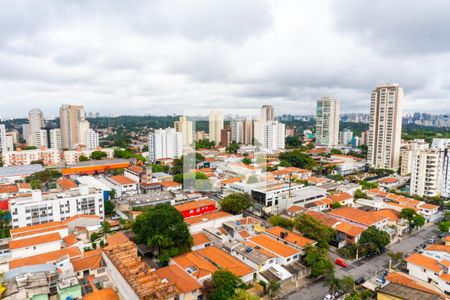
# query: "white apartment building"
x,y
185,128
327,122
55,138
2,138
272,136
385,126
49,157
215,125
345,136
425,173
237,131
36,122
40,208
408,154
91,139
73,156
165,143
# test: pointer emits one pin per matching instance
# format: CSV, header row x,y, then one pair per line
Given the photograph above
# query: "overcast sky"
x,y
161,57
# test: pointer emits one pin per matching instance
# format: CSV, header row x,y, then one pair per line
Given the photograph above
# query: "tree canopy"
x,y
414,219
313,229
280,221
98,155
224,285
236,203
317,259
297,158
292,142
162,227
233,147
374,240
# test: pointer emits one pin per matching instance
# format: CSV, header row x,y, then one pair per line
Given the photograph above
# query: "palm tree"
x,y
332,282
106,228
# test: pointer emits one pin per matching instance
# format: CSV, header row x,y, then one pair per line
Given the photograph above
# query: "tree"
x,y
236,203
162,227
317,259
252,179
359,194
246,161
292,142
347,283
374,240
444,226
205,144
233,147
94,236
280,221
98,155
297,158
160,168
83,158
224,285
313,229
331,281
336,151
368,185
414,219
106,228
335,205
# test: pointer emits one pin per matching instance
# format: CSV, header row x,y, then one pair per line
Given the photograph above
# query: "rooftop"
x,y
224,260
274,246
45,258
67,184
122,180
103,294
366,218
175,275
195,264
36,240
290,237
194,204
207,217
199,239
424,261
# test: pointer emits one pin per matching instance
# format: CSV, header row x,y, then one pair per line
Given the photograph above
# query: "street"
x,y
366,267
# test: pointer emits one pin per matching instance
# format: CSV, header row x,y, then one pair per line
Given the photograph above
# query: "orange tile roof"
x,y
24,185
295,208
66,184
366,218
70,240
122,180
175,275
274,246
316,180
36,240
388,180
91,260
447,238
136,169
194,204
424,261
248,220
207,217
192,259
428,206
103,294
38,231
200,239
169,183
405,280
441,248
244,234
117,239
388,213
225,261
291,237
340,197
9,188
231,180
349,229
325,219
45,257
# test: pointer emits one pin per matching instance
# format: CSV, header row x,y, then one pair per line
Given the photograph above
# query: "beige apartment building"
x,y
408,153
327,122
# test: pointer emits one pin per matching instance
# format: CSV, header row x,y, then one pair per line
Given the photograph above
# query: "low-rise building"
x,y
48,157
359,217
196,208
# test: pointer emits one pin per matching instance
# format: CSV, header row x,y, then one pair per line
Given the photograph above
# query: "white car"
x,y
328,297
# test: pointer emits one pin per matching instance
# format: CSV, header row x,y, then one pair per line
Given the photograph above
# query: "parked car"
x,y
443,235
341,262
359,281
329,297
430,241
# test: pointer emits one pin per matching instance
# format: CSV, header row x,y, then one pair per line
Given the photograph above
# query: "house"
x,y
103,294
344,199
170,186
35,245
45,258
196,208
187,287
213,219
285,254
360,217
65,184
290,238
134,173
199,241
123,185
388,182
89,264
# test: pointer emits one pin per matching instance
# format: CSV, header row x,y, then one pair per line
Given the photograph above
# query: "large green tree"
x,y
414,219
97,155
292,142
374,239
280,221
224,285
162,227
313,229
317,259
297,158
236,203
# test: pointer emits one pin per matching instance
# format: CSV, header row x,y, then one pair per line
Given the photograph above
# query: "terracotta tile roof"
x,y
447,238
117,239
424,262
441,248
366,218
169,183
248,221
70,240
388,213
349,229
136,169
45,258
340,197
244,234
316,180
36,240
122,180
231,180
200,239
103,294
201,266
225,261
207,217
9,188
274,246
295,208
24,185
194,204
428,206
203,170
91,260
66,184
36,227
291,237
38,231
388,180
408,281
325,219
174,274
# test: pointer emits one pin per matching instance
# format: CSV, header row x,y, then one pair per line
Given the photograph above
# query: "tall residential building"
x,y
425,173
39,138
91,139
408,154
327,122
2,138
55,138
385,126
215,125
267,113
444,177
225,136
36,122
71,117
248,131
185,127
165,143
237,131
271,136
345,137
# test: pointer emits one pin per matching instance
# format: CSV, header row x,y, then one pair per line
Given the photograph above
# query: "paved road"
x,y
366,267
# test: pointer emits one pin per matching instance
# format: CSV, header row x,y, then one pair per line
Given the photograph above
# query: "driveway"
x,y
366,267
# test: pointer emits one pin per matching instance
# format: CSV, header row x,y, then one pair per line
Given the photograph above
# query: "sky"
x,y
165,56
